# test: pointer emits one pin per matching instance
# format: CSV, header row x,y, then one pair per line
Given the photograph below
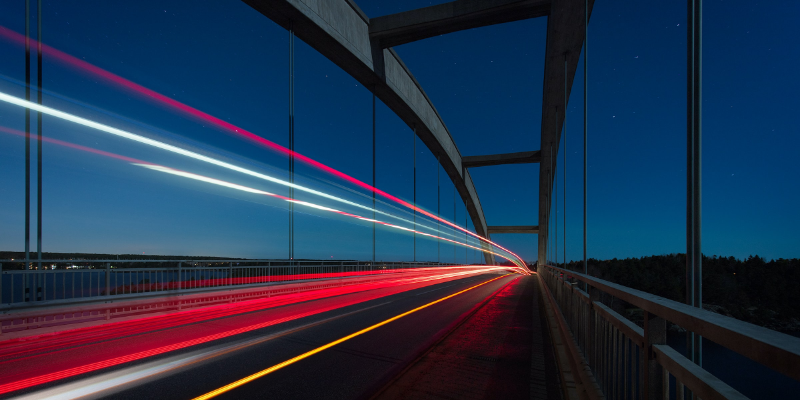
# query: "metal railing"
x,y
87,279
51,314
632,362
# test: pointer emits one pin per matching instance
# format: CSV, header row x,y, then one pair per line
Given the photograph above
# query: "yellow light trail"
x,y
307,354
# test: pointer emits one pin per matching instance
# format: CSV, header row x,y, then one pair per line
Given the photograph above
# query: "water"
x,y
743,374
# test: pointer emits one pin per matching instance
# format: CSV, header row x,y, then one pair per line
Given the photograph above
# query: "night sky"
x,y
231,62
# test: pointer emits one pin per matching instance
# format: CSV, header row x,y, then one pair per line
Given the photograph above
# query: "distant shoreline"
x,y
753,290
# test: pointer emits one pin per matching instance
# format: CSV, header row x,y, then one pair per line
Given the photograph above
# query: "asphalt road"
x,y
353,369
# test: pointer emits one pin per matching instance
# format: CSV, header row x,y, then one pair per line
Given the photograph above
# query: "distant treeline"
x,y
85,259
18,255
765,293
118,260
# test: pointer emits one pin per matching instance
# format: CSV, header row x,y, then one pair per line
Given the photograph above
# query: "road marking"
x,y
310,353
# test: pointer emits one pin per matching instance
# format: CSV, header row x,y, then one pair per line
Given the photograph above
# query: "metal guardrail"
x,y
100,278
49,314
633,362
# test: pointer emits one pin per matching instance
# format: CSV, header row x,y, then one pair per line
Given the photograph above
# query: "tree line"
x,y
761,292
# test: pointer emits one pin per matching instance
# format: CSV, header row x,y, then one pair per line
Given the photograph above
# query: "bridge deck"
x,y
493,327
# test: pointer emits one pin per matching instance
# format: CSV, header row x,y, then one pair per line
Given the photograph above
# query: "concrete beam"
x,y
513,229
338,30
409,26
525,157
565,31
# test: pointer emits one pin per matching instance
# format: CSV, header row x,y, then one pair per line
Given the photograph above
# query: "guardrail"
x,y
54,313
629,361
83,279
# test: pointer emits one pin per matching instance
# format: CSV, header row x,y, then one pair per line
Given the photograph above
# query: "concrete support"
x,y
409,26
524,157
513,229
564,41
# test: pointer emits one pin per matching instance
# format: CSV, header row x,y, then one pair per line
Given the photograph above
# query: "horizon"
x,y
211,258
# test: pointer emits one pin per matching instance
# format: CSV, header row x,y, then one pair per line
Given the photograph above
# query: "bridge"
x,y
489,325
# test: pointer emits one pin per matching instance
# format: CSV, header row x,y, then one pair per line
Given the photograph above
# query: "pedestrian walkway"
x,y
502,351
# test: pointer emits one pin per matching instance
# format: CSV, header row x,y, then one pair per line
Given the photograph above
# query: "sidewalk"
x,y
500,352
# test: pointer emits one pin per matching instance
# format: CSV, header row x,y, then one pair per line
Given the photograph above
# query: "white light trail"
x,y
164,146
203,179
304,203
174,149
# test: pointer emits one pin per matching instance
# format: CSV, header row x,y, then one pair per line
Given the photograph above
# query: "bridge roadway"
x,y
253,336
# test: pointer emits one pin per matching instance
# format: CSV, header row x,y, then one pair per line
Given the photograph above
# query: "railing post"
x,y
655,332
591,344
230,273
180,276
108,288
108,279
559,288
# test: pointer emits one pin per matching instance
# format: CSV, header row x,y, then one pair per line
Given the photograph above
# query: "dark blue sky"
x,y
229,61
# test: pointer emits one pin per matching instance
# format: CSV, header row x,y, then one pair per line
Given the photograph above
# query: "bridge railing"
x,y
634,362
65,280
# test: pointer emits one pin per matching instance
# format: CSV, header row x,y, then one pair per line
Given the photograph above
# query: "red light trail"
x,y
92,349
262,373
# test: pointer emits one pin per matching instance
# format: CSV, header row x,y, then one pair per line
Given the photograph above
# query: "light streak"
x,y
174,149
224,183
117,379
384,278
144,354
9,387
73,146
310,353
206,179
147,325
181,173
226,126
